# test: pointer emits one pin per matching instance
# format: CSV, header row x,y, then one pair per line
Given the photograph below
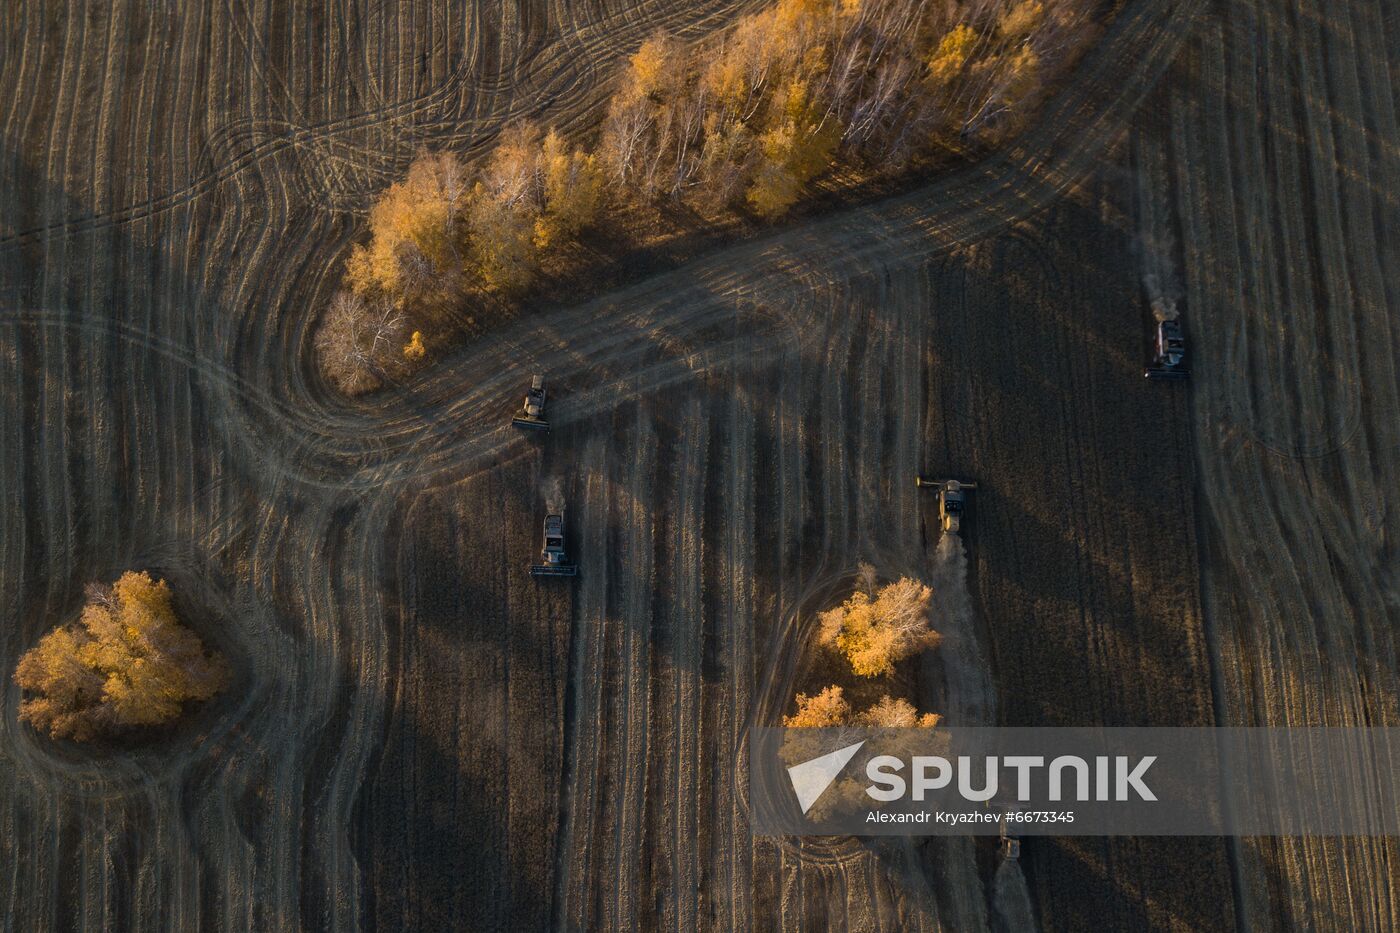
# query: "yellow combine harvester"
x,y
952,497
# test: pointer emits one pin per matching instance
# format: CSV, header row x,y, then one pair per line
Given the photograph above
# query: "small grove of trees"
x,y
443,230
876,631
829,709
752,116
872,631
126,662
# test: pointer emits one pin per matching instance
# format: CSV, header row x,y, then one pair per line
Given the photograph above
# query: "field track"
x,y
1274,149
421,737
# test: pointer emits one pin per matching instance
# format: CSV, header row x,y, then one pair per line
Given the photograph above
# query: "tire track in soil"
x,y
1296,398
573,867
637,581
677,755
293,750
731,851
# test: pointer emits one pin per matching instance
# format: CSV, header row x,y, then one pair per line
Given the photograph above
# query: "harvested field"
x,y
1272,149
421,737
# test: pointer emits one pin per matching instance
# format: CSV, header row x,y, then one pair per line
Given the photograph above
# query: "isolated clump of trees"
x,y
867,636
862,643
127,662
829,709
876,630
737,126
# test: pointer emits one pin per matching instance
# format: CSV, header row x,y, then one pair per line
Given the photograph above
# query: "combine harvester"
x,y
532,414
1009,845
952,498
1168,352
554,563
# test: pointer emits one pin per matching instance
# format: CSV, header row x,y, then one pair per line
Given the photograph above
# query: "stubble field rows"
x,y
422,735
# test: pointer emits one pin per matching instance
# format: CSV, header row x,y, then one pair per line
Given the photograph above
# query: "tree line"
x,y
442,229
739,124
749,118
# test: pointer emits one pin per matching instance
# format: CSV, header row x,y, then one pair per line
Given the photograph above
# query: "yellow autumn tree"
x,y
502,211
829,709
502,243
774,190
573,192
127,662
1021,19
890,713
951,54
791,15
414,350
653,64
875,632
1023,78
413,231
793,153
820,711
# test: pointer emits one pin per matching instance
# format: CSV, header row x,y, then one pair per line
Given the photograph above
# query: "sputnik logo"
x,y
811,778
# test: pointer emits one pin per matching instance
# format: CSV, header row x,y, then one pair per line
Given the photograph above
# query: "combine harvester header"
x,y
532,414
952,498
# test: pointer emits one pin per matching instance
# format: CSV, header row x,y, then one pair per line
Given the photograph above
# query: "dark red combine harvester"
x,y
1168,352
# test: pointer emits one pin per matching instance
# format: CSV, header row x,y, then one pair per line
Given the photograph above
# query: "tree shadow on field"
x,y
1084,543
455,826
151,477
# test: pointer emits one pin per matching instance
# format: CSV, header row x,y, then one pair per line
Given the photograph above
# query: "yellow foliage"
x,y
952,53
414,349
794,152
791,14
650,63
773,191
419,212
1024,70
829,709
824,710
874,634
889,713
1021,20
360,274
502,242
573,192
725,78
128,662
795,100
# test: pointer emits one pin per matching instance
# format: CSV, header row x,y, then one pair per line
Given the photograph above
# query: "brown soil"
x,y
429,739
